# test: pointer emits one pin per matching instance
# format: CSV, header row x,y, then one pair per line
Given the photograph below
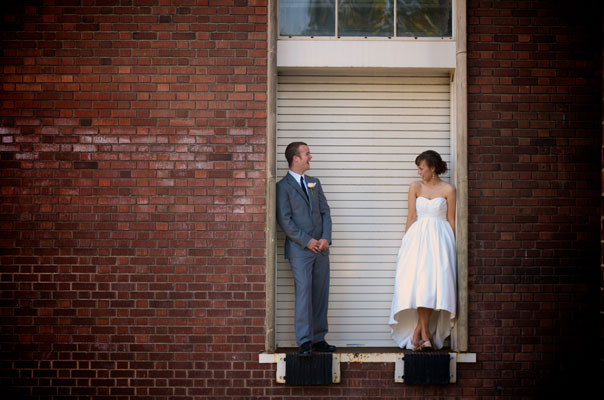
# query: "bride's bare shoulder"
x,y
449,189
415,187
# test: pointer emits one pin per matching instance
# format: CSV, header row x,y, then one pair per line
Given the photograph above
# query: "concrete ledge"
x,y
396,358
272,358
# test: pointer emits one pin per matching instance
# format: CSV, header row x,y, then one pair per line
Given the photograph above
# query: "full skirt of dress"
x,y
425,275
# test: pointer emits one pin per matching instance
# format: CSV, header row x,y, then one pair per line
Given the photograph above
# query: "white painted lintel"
x,y
319,53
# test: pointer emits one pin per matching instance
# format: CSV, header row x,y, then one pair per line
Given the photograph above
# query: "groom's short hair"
x,y
292,150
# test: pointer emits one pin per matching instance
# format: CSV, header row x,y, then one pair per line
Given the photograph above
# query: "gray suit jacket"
x,y
300,219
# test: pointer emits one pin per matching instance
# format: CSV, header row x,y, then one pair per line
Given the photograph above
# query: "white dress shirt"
x,y
297,178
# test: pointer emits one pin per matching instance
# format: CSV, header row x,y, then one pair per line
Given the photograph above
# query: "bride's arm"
x,y
451,202
411,211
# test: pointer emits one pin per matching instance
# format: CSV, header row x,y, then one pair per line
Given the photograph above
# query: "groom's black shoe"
x,y
324,347
305,349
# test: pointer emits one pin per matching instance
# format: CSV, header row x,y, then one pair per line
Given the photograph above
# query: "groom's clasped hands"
x,y
317,246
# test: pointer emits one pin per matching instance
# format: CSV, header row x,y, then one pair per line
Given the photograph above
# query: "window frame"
x,y
337,34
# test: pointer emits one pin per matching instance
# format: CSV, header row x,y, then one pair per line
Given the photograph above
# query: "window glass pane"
x,y
307,17
366,17
423,18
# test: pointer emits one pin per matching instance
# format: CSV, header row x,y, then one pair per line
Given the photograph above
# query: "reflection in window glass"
x,y
423,18
366,18
307,17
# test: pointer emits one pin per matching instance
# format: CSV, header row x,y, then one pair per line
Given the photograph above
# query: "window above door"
x,y
366,18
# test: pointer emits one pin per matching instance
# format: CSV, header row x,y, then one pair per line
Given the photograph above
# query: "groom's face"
x,y
302,159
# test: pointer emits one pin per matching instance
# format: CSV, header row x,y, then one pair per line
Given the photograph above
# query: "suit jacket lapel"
x,y
296,185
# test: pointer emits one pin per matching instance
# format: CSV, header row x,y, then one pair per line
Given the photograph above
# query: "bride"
x,y
423,305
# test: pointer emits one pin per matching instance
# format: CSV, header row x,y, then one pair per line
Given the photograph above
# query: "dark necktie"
x,y
304,187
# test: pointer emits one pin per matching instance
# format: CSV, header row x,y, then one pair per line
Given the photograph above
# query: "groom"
x,y
303,214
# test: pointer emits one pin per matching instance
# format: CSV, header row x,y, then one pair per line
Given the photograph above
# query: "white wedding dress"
x,y
425,275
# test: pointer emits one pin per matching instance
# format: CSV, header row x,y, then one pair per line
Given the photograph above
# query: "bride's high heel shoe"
x,y
426,345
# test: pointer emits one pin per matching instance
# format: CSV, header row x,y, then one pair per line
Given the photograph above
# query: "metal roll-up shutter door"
x,y
364,133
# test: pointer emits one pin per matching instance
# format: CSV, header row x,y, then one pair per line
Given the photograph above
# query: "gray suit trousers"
x,y
311,277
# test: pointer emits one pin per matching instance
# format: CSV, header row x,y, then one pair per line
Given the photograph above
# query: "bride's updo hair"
x,y
432,159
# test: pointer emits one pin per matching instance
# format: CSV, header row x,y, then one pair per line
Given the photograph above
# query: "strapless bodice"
x,y
435,208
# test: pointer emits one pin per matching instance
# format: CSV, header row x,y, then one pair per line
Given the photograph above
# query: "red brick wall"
x,y
534,106
132,211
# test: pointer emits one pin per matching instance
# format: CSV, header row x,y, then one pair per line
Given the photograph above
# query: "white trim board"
x,y
318,53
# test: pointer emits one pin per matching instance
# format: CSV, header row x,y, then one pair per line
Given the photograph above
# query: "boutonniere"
x,y
311,186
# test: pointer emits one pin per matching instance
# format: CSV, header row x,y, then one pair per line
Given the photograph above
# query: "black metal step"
x,y
427,368
313,369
